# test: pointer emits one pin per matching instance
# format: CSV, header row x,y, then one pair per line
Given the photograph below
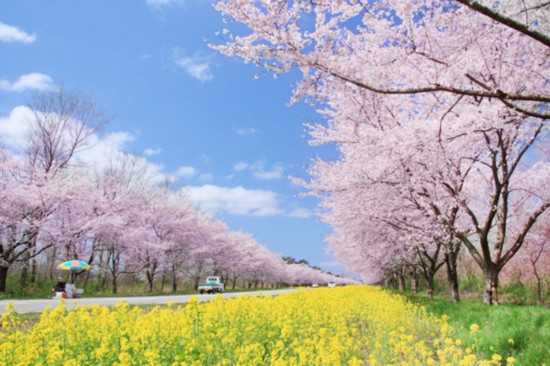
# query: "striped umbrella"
x,y
74,265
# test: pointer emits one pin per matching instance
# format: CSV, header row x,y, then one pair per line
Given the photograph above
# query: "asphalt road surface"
x,y
37,306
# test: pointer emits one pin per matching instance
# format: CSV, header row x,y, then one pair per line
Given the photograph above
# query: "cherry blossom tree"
x,y
114,217
187,231
62,124
68,228
475,72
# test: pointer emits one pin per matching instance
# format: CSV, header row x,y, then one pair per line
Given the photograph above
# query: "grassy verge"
x,y
522,332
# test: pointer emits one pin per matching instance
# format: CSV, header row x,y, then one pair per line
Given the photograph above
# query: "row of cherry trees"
x,y
55,207
439,111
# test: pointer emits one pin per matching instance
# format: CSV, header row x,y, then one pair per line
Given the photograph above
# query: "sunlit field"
x,y
354,325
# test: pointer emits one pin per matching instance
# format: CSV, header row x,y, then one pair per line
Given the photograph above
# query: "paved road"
x,y
37,306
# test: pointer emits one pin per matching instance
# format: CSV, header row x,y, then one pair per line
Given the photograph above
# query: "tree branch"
x,y
522,28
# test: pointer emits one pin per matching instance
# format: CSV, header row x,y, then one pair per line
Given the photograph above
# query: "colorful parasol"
x,y
74,265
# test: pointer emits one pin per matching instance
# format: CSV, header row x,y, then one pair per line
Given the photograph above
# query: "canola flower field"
x,y
354,325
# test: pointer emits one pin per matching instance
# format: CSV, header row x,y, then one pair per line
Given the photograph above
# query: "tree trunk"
x,y
3,277
23,277
101,274
86,279
429,285
33,271
114,285
51,263
494,286
150,278
414,280
452,275
103,281
401,281
174,282
540,295
24,274
490,278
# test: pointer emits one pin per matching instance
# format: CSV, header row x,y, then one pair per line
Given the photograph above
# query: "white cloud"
x,y
259,171
33,81
185,172
197,66
247,131
241,165
149,152
206,177
14,128
236,200
276,172
109,151
103,149
157,4
302,213
9,33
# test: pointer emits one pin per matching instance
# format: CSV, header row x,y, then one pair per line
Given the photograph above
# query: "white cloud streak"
x,y
301,213
9,33
247,131
149,152
235,200
277,172
157,4
259,172
185,172
33,81
206,177
240,166
197,66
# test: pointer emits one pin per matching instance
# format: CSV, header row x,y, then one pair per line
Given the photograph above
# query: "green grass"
x,y
527,326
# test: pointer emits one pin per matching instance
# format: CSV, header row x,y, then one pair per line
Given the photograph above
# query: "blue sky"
x,y
197,116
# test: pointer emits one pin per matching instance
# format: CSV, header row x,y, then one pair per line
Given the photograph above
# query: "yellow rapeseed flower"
x,y
353,325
